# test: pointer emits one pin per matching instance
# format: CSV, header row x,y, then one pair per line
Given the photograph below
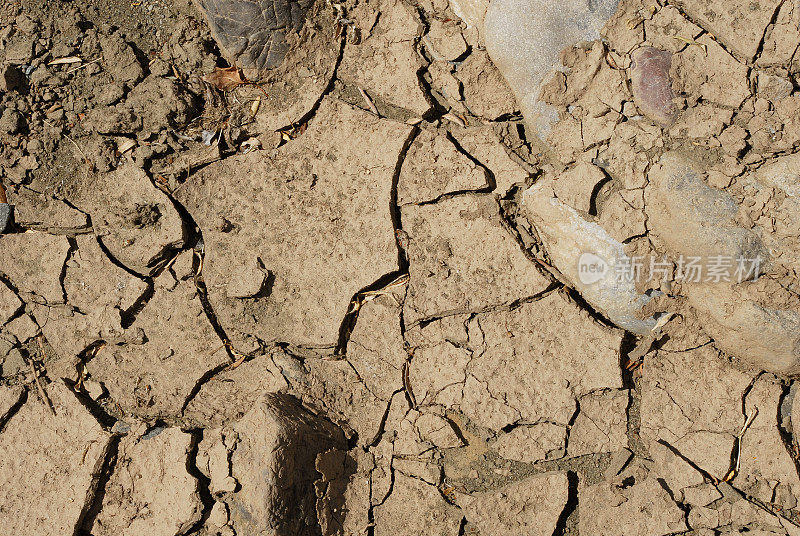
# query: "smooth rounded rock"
x,y
760,336
586,255
651,84
691,218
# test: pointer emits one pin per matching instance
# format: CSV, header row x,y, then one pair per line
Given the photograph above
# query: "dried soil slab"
x,y
485,91
601,425
767,470
527,368
298,83
433,167
484,145
531,506
357,390
415,508
150,491
268,457
9,303
644,509
9,397
35,209
463,259
530,444
740,26
49,465
706,70
98,292
692,401
37,273
133,219
232,393
780,41
169,347
291,237
386,63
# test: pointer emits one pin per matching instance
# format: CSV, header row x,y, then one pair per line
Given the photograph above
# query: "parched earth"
x,y
322,305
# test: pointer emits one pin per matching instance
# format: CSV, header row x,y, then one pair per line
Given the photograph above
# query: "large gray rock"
x,y
525,37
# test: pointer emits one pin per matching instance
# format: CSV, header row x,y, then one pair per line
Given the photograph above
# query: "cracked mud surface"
x,y
331,303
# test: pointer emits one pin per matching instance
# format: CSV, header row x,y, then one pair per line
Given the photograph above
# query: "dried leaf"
x,y
64,61
225,79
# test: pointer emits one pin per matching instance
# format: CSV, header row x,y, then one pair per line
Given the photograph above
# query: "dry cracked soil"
x,y
331,304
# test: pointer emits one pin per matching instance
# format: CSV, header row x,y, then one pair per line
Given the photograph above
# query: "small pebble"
x,y
6,213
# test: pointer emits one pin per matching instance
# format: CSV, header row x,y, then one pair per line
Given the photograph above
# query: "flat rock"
x,y
758,334
266,464
320,231
134,220
531,506
59,456
586,255
693,219
6,215
151,370
37,273
150,491
463,259
252,34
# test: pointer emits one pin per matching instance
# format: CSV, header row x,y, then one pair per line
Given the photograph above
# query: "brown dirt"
x,y
316,306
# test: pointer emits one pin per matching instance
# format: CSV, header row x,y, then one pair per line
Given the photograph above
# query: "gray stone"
x,y
6,216
525,37
576,246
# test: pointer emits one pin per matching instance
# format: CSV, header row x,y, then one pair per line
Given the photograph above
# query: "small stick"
x,y
82,66
39,387
369,102
3,198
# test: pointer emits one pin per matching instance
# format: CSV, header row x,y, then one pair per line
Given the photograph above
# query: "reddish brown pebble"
x,y
651,84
